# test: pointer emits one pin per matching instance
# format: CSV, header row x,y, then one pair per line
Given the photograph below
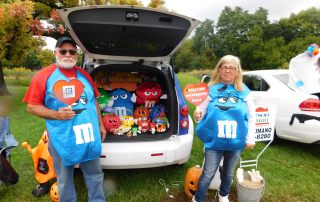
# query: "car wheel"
x,y
275,139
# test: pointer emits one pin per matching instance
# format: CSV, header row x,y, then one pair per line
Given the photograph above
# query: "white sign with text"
x,y
265,122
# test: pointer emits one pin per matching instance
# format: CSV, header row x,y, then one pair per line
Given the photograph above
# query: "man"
x,y
74,129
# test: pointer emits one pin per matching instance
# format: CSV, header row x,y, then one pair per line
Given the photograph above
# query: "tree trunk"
x,y
3,88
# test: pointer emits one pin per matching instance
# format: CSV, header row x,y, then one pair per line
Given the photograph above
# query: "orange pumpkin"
x,y
141,112
191,180
54,195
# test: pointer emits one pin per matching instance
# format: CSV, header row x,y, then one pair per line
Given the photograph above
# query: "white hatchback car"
x,y
137,44
298,114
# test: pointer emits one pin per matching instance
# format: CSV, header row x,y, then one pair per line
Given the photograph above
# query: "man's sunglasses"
x,y
64,51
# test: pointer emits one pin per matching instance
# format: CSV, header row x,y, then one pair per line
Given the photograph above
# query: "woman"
x,y
226,125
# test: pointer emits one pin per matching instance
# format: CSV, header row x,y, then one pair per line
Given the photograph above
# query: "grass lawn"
x,y
291,170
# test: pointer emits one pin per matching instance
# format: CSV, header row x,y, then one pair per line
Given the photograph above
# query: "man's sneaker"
x,y
193,199
41,189
223,198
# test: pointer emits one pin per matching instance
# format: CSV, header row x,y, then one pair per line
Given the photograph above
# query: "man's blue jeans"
x,y
211,164
92,174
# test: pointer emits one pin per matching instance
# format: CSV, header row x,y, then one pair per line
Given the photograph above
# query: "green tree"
x,y
301,25
298,31
159,4
183,58
31,60
203,45
300,45
36,59
126,2
259,43
203,36
15,35
46,57
46,10
233,28
260,54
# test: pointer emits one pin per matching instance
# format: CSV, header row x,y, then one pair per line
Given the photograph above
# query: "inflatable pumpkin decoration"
x,y
140,112
191,180
42,160
54,195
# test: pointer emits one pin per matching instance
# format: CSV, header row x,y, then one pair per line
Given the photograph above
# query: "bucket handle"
x,y
263,189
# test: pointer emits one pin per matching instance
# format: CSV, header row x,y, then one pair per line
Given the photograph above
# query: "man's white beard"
x,y
66,64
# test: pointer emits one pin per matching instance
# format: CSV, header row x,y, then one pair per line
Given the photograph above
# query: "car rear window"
x,y
255,83
284,78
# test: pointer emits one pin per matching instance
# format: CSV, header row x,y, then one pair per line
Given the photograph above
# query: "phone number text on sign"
x,y
264,134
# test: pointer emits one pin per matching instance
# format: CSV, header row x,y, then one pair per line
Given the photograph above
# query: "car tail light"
x,y
310,105
184,110
157,154
184,123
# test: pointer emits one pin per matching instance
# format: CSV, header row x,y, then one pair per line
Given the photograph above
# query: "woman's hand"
x,y
250,146
197,114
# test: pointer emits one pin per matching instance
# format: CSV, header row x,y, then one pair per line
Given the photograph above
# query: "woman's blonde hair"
x,y
215,77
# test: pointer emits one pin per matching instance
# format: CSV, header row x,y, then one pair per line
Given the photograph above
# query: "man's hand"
x,y
103,132
46,113
65,113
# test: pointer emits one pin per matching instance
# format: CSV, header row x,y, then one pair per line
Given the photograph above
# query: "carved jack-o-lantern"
x,y
140,112
54,195
111,122
191,180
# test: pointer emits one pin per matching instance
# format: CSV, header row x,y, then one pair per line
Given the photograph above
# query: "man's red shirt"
x,y
37,89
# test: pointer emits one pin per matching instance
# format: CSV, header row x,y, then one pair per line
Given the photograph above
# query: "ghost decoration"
x,y
304,71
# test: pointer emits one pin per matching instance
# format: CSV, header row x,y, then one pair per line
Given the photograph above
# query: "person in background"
x,y
226,125
75,131
8,175
4,123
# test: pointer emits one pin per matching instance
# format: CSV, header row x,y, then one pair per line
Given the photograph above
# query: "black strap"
x,y
7,174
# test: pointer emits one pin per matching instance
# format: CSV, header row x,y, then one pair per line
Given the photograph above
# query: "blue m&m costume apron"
x,y
76,140
225,125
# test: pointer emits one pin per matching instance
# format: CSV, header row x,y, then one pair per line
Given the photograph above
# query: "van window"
x,y
255,83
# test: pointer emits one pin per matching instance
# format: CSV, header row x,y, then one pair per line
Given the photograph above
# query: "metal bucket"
x,y
249,192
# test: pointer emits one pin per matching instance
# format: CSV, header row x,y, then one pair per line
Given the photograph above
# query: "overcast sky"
x,y
211,9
